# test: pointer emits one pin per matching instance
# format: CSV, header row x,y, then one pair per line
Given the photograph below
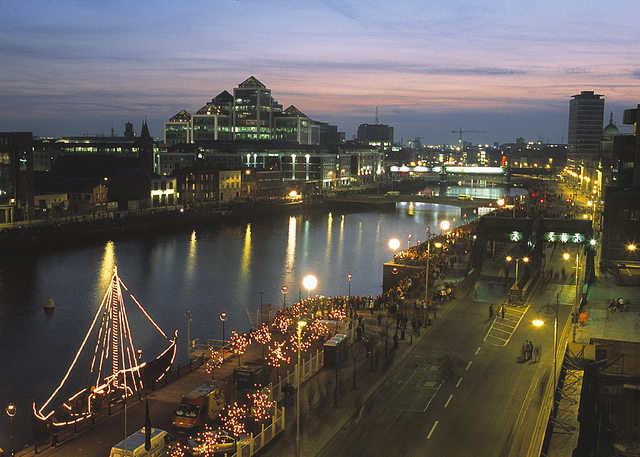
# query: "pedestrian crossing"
x,y
501,328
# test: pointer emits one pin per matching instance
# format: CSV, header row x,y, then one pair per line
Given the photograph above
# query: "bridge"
x,y
448,173
466,205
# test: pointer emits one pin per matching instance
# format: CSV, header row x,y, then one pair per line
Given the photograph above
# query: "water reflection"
x,y
106,271
246,253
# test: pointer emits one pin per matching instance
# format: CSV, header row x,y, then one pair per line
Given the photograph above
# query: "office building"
x,y
250,114
16,177
586,111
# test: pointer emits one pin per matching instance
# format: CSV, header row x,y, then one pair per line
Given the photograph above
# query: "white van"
x,y
392,193
160,441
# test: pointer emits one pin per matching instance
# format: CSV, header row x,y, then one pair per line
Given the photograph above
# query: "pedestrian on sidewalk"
x,y
395,341
491,311
502,311
536,353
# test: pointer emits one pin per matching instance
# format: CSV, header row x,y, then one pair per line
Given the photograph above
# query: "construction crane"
x,y
460,132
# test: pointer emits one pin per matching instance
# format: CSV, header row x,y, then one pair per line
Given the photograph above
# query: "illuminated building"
x,y
250,114
16,177
586,112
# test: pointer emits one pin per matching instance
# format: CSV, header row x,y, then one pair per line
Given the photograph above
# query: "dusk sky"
x,y
508,67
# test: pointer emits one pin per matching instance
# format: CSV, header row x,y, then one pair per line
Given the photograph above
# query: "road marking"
x,y
477,350
447,403
459,381
501,331
432,429
468,366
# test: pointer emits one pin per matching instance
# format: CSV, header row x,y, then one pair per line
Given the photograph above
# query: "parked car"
x,y
217,442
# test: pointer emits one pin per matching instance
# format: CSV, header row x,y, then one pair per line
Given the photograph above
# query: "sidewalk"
x,y
605,324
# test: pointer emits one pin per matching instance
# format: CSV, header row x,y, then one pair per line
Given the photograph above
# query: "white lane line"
x,y
432,429
468,366
447,403
477,350
459,381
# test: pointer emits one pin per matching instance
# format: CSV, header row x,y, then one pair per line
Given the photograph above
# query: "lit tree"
x,y
337,314
234,418
282,323
262,336
238,344
216,359
277,355
316,329
261,409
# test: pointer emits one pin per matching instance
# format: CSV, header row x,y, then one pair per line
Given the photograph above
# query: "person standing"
x,y
502,311
491,311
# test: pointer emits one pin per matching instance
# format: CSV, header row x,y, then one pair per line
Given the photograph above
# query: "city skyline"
x,y
74,68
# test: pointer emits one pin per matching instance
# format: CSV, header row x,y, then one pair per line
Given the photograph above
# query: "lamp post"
x,y
301,324
223,318
349,278
524,259
11,411
426,281
548,311
445,225
394,243
567,256
309,282
409,240
188,314
284,291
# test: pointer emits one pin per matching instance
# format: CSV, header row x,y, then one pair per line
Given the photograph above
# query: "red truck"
x,y
200,405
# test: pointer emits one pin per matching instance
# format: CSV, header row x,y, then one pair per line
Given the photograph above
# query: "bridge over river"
x,y
465,205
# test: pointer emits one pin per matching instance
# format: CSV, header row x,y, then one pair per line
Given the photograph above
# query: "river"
x,y
206,272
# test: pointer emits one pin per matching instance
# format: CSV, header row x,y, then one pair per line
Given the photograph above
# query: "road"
x,y
462,392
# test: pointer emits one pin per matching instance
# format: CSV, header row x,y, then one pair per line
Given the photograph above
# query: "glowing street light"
x,y
567,256
524,259
11,411
223,318
309,282
301,324
284,291
445,225
394,243
549,311
349,278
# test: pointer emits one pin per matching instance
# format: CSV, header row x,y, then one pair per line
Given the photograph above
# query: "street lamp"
x,y
426,281
188,314
567,256
349,277
223,318
445,225
394,243
548,311
409,240
284,291
301,324
309,282
11,411
524,259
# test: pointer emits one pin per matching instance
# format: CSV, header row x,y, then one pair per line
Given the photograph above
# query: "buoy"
x,y
48,303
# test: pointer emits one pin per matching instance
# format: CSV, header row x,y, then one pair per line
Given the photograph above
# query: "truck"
x,y
134,445
250,375
202,404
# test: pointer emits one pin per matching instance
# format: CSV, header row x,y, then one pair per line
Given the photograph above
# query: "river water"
x,y
223,268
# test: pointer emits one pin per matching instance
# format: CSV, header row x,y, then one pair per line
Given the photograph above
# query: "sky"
x,y
497,69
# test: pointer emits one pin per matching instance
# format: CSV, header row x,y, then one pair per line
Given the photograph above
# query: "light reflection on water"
x,y
206,272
